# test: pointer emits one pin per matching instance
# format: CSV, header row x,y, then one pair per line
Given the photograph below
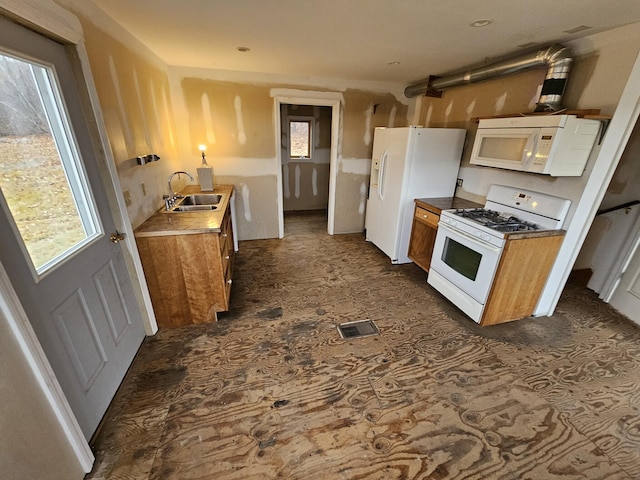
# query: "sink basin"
x,y
197,202
193,208
200,199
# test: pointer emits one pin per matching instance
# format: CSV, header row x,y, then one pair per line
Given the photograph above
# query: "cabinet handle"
x,y
227,257
225,234
229,281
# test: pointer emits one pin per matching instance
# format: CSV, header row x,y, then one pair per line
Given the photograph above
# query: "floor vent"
x,y
361,328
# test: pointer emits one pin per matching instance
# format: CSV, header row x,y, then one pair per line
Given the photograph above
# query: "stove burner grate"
x,y
501,222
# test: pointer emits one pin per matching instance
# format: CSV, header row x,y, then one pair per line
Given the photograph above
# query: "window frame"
x,y
52,101
302,119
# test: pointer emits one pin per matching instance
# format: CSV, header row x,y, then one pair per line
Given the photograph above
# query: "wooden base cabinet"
x,y
425,226
523,270
190,275
423,236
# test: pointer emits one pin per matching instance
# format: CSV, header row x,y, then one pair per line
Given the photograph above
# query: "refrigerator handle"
x,y
381,172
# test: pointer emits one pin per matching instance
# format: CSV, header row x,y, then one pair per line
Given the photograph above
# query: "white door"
x,y
626,298
55,227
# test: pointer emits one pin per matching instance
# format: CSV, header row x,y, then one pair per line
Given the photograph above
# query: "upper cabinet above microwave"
x,y
557,145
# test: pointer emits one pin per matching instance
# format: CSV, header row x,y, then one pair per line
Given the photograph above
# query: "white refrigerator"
x,y
408,163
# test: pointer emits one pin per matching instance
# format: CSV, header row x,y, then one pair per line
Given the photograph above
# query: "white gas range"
x,y
470,242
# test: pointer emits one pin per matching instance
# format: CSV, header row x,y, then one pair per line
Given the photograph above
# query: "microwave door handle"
x,y
529,150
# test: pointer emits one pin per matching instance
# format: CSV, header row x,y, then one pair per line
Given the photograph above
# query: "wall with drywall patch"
x,y
362,112
134,94
517,94
602,63
237,122
149,107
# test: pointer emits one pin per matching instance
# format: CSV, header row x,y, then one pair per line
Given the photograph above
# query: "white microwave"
x,y
557,145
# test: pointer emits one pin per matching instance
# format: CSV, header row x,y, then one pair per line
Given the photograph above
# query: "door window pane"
x,y
42,180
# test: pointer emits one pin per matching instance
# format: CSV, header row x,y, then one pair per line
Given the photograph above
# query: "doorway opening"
x,y
306,145
306,158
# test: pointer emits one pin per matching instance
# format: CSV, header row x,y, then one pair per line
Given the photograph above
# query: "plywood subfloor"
x,y
271,391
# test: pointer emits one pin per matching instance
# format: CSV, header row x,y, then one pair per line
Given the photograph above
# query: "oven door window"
x,y
467,263
461,258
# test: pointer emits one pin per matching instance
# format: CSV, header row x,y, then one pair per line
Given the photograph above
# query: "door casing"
x,y
322,99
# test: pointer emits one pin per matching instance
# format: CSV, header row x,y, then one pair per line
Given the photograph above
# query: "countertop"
x,y
533,234
436,205
445,203
185,223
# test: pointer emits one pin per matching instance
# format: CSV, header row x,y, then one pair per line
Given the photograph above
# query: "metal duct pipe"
x,y
556,58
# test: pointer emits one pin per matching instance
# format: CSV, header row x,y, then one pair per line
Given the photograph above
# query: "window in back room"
x,y
300,138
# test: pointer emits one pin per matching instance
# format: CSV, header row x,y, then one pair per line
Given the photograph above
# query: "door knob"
x,y
116,237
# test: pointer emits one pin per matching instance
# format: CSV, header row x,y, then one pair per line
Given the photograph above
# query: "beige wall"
x,y
602,65
134,95
149,107
32,443
236,119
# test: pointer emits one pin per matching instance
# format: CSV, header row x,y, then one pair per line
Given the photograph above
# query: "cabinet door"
x,y
423,237
226,257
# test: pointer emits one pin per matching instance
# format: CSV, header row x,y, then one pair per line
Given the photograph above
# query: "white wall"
x,y
610,231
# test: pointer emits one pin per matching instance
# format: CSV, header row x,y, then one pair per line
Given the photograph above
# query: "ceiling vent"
x,y
556,58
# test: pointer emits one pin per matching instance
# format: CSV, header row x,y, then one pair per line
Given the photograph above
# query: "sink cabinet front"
x,y
189,275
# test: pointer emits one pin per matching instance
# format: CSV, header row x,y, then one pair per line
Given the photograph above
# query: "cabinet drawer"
x,y
227,268
427,217
227,260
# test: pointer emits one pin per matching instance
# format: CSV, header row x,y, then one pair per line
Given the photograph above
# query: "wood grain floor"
x,y
271,391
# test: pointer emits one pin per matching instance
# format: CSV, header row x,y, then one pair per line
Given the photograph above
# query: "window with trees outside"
x,y
43,184
300,138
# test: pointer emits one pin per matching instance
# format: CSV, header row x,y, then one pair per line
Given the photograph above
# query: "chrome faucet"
x,y
170,200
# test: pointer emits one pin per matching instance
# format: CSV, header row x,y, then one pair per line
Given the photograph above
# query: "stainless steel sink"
x,y
197,202
193,208
200,199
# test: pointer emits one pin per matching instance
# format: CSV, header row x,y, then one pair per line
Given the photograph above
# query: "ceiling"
x,y
398,41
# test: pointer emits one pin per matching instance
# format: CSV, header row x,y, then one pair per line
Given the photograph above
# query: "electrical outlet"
x,y
143,187
127,198
459,182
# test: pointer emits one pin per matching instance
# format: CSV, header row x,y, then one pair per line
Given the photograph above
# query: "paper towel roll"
x,y
205,178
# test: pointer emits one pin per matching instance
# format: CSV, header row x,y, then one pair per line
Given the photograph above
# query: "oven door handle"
x,y
470,238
